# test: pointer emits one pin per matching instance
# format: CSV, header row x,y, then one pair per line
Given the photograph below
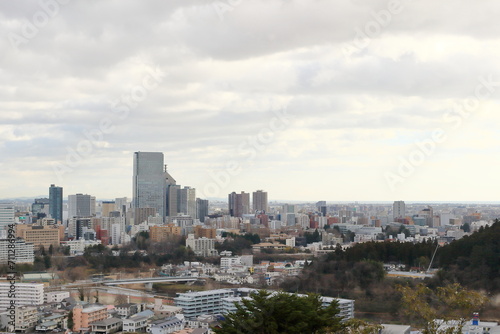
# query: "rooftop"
x,y
107,322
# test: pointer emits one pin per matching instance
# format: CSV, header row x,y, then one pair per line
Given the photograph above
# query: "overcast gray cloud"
x,y
201,81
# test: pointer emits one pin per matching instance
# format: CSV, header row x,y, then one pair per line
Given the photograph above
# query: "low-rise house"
x,y
137,322
166,326
56,296
52,322
106,326
128,309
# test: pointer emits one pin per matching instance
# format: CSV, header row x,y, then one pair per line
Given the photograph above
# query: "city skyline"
x,y
374,101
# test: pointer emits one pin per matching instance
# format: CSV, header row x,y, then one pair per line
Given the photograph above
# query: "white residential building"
x,y
203,302
290,242
78,246
56,296
25,294
228,262
24,252
221,301
201,246
137,322
398,210
116,234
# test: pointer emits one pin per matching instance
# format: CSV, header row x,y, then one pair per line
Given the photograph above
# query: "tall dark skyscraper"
x,y
149,184
56,202
201,209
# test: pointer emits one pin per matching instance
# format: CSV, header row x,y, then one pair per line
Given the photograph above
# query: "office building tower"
x,y
6,215
80,205
92,206
201,209
41,207
321,205
142,214
239,204
121,205
186,201
172,200
398,210
56,202
428,214
171,195
259,201
107,207
149,183
41,235
287,209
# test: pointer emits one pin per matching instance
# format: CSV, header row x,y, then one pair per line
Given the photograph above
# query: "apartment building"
x,y
26,318
25,294
201,246
195,304
222,301
24,252
84,316
161,233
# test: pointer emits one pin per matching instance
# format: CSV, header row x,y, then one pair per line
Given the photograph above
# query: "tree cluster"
x,y
473,261
264,313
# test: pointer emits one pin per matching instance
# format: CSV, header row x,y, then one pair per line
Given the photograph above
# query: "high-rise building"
x,y
80,205
40,208
149,182
142,214
171,193
186,201
121,205
259,201
287,209
398,209
6,215
172,199
201,209
107,207
239,204
56,202
321,205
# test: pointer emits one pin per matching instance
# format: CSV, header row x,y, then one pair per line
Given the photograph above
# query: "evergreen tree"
x,y
264,313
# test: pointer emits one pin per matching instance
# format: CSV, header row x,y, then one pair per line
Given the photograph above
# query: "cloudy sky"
x,y
307,99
